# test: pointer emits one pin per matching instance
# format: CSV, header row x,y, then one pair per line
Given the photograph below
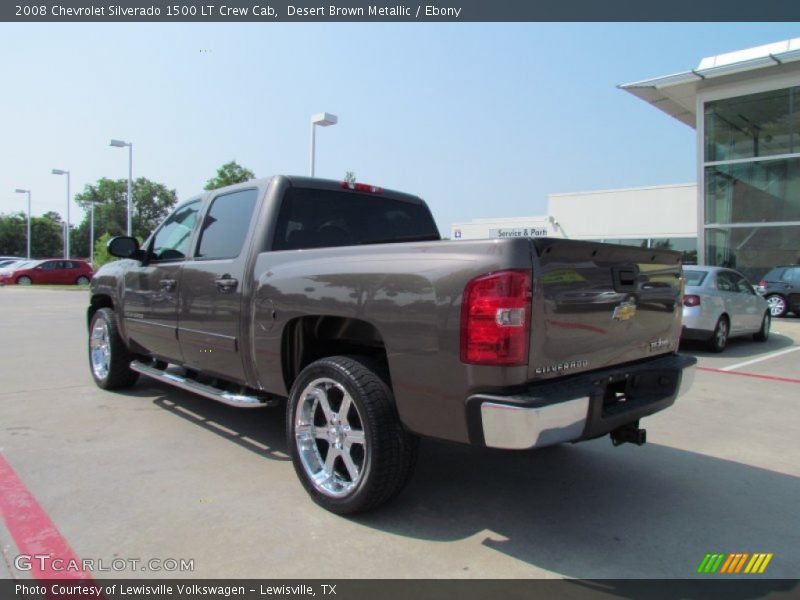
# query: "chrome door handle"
x,y
168,285
226,284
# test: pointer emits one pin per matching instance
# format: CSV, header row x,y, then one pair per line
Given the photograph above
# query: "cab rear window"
x,y
311,218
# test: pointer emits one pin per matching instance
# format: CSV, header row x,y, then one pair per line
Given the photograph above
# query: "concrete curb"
x,y
8,551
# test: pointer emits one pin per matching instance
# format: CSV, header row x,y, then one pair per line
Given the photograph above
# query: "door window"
x,y
791,276
171,241
225,225
742,286
725,282
53,264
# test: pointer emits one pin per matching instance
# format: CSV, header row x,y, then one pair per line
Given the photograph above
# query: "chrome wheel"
x,y
721,333
24,280
329,435
777,305
82,280
99,349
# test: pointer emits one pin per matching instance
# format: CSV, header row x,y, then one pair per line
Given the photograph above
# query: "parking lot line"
x,y
756,375
759,359
33,531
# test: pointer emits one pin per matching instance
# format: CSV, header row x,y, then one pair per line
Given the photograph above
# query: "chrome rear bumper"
x,y
516,428
553,413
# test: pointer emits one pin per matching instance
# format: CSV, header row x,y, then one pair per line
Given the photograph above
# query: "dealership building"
x,y
745,209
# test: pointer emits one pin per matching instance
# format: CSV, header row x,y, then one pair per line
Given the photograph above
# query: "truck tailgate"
x,y
597,305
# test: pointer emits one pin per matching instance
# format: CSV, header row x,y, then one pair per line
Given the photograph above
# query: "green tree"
x,y
47,238
13,234
47,235
151,203
228,174
79,239
101,255
350,177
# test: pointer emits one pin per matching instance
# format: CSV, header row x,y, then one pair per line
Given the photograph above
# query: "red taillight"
x,y
691,300
496,319
362,187
762,283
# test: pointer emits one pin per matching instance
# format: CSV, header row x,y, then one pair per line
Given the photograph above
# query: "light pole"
x,y
19,191
121,144
91,233
323,120
66,235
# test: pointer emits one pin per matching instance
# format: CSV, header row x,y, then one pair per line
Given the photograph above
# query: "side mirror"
x,y
123,247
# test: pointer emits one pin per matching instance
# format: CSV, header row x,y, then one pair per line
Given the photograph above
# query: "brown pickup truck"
x,y
343,298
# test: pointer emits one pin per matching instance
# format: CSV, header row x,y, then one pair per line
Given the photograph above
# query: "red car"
x,y
49,271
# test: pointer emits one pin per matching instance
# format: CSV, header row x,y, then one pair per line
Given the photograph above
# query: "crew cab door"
x,y
150,304
209,324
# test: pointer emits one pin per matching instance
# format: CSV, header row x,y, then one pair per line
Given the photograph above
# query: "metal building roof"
x,y
676,94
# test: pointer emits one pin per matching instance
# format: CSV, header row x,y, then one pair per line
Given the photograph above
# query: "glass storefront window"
x,y
752,250
687,246
753,192
764,124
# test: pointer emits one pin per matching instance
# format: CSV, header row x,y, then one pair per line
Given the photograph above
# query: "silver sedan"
x,y
720,303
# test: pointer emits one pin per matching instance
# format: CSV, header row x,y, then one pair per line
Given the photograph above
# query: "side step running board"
x,y
175,378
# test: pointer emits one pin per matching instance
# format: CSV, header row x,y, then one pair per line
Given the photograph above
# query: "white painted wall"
x,y
651,212
666,211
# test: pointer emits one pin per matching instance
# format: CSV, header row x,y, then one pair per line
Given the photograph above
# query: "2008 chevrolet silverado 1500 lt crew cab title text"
x,y
343,298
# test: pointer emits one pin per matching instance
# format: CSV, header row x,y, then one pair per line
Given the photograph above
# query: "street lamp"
x,y
66,235
323,120
91,232
19,191
121,144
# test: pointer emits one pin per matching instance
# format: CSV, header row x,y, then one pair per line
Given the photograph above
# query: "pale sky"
x,y
481,120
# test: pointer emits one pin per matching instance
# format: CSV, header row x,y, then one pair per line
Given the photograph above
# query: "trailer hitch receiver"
x,y
630,433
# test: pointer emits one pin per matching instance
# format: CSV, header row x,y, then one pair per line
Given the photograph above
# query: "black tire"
x,y
24,280
719,339
778,305
387,454
763,334
117,373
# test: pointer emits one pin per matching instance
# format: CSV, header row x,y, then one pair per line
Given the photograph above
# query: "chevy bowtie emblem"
x,y
624,311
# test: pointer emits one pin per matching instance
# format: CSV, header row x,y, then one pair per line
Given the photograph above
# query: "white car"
x,y
718,304
13,264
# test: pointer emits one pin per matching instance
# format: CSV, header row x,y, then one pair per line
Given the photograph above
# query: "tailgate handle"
x,y
624,278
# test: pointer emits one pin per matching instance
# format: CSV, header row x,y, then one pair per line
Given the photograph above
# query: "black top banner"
x,y
431,11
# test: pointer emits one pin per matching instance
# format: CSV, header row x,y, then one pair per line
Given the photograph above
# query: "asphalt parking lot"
x,y
157,473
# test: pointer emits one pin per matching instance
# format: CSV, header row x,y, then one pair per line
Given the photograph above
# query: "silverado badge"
x,y
658,344
625,310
